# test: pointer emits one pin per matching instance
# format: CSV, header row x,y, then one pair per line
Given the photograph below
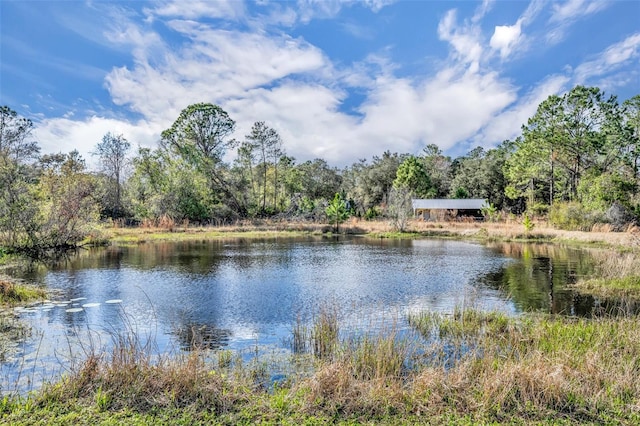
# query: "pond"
x,y
247,295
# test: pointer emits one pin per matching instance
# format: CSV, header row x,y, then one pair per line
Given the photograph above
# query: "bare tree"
x,y
113,155
266,142
399,208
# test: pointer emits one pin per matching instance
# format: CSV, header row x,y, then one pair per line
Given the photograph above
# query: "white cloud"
x,y
573,9
532,11
324,9
305,115
508,38
443,110
65,134
482,10
215,66
566,13
507,124
610,61
194,9
278,15
464,39
294,87
505,37
359,31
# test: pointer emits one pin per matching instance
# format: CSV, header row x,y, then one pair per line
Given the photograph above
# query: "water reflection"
x,y
541,279
245,293
201,336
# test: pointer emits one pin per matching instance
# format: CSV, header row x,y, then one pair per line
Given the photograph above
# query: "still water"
x,y
246,295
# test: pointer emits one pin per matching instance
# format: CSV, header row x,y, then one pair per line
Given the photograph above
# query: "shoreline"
x,y
476,231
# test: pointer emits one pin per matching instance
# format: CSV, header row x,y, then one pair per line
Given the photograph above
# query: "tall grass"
x,y
616,275
480,367
131,377
537,366
324,332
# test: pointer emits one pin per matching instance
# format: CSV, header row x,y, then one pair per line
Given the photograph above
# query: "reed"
x,y
301,337
324,332
376,357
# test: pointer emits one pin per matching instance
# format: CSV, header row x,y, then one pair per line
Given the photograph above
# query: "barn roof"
x,y
447,204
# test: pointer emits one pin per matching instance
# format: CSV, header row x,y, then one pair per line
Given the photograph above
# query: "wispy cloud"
x,y
465,40
482,10
325,9
46,60
296,88
570,10
256,71
357,30
64,134
507,123
196,9
610,61
565,13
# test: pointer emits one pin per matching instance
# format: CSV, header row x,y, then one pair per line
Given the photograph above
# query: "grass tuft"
x,y
12,292
617,275
324,333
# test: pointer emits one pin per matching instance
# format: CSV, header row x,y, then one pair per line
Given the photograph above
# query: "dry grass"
x,y
493,369
535,369
507,230
131,379
514,230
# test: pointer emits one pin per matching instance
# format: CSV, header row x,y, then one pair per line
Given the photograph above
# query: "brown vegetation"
x,y
484,367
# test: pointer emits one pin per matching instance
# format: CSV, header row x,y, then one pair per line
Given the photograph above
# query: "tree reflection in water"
x,y
542,279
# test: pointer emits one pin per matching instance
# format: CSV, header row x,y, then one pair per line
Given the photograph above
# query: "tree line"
x,y
575,160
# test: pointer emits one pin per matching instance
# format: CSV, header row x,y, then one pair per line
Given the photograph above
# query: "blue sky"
x,y
339,79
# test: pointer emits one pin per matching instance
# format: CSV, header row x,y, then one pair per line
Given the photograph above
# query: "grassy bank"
x,y
12,292
482,231
481,368
617,276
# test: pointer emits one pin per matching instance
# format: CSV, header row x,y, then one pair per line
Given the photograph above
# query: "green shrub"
x,y
539,209
461,193
490,212
573,216
372,213
528,223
